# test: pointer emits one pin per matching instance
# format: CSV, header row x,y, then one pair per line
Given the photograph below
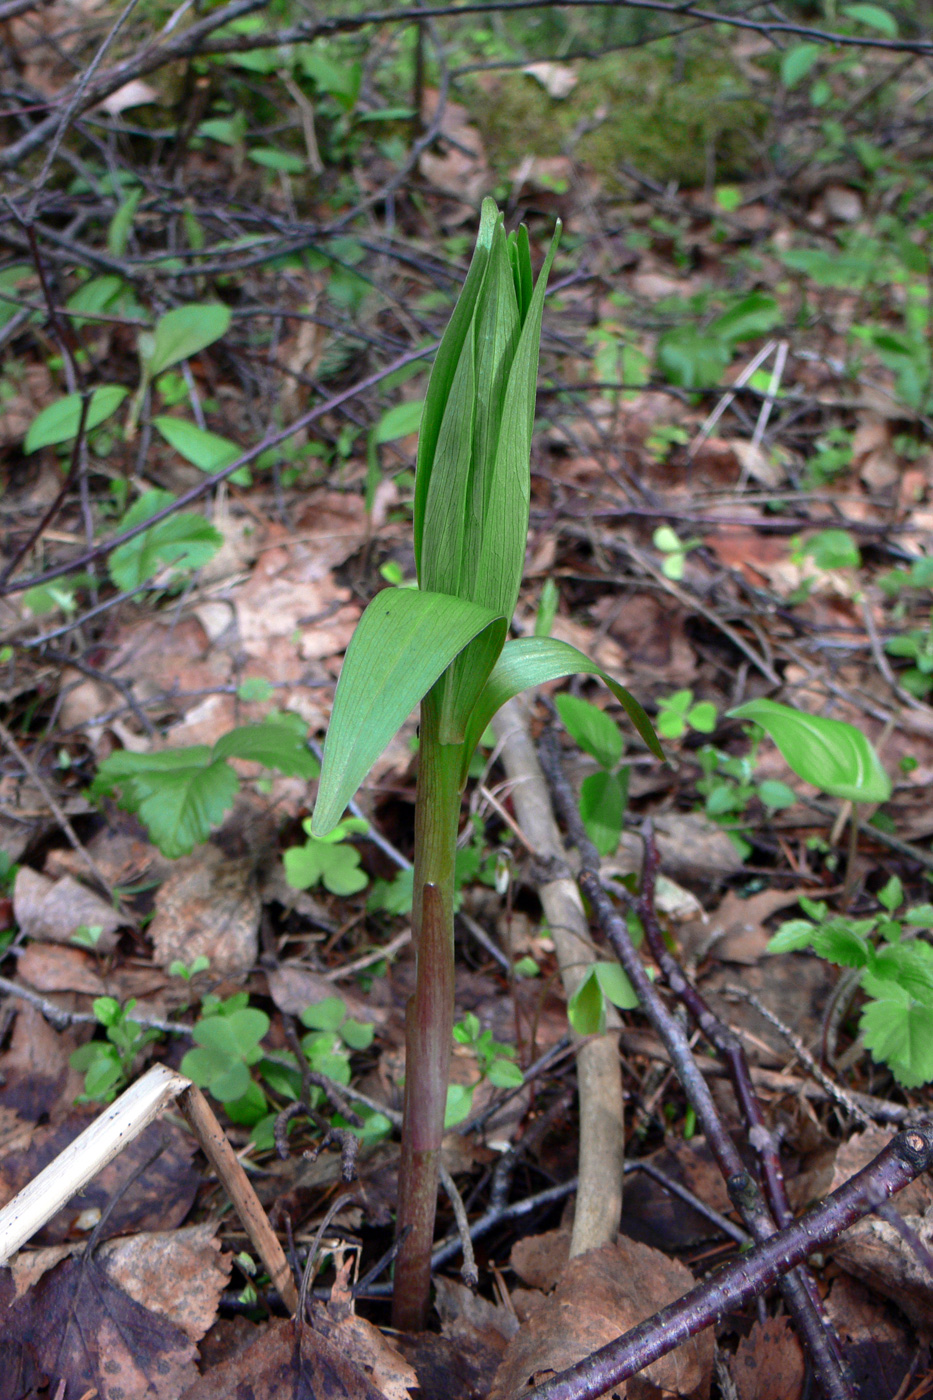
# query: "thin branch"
x,y
906,1156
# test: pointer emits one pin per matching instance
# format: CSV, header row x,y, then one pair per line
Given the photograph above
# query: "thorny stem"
x,y
905,1157
430,1015
743,1189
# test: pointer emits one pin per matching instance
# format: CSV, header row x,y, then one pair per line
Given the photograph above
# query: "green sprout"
x,y
443,644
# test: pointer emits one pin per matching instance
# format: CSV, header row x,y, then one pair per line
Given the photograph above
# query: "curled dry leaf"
x,y
769,1364
179,1274
601,1295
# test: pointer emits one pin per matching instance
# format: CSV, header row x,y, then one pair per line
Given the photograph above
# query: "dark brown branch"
x,y
906,1156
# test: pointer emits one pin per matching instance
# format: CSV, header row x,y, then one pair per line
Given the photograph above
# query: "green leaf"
x,y
753,316
776,795
459,1104
832,755
179,794
272,159
602,807
61,420
255,689
892,896
398,421
274,742
833,549
615,986
873,16
119,231
525,662
910,965
797,62
181,333
358,1035
445,367
792,935
586,1009
185,540
10,280
403,643
692,358
591,728
207,451
326,1015
505,1074
898,1031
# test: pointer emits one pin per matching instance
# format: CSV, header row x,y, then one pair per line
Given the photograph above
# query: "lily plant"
x,y
443,644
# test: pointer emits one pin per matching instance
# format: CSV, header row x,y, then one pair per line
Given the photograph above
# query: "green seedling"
x,y
495,1062
605,981
180,794
189,970
88,935
677,713
443,644
916,646
603,795
829,549
896,974
674,549
328,860
107,1065
829,753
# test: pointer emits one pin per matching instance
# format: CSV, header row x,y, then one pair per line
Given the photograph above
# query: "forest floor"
x,y
732,491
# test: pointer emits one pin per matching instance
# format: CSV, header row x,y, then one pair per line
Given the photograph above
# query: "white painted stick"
x,y
82,1159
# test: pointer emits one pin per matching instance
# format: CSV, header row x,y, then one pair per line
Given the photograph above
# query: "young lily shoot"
x,y
444,644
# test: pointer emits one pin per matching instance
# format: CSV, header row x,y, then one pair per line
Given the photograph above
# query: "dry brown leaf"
x,y
769,1364
179,1274
209,906
557,79
601,1295
51,967
53,910
735,932
539,1259
464,1313
285,1362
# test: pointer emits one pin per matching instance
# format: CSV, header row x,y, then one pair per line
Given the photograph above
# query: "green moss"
x,y
663,114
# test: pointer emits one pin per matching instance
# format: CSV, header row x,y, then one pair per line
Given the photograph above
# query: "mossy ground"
x,y
675,115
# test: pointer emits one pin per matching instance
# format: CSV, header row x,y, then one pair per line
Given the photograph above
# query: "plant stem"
x,y
429,1016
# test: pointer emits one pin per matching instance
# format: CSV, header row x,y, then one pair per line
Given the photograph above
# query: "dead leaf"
x,y
281,1365
735,932
879,1348
179,1274
557,79
875,1253
464,1313
53,910
463,170
135,93
366,1348
36,1081
662,1220
769,1364
601,1295
77,1326
159,1198
539,1259
208,907
284,599
52,967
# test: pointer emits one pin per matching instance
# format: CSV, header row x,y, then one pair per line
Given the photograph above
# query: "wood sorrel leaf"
x,y
832,755
404,641
528,661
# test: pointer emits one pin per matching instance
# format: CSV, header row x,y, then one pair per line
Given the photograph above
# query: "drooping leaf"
x,y
615,986
404,641
832,755
61,420
586,1009
181,333
209,452
525,662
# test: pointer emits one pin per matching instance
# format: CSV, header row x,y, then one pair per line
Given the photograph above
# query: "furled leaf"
x,y
529,661
209,452
61,420
832,755
181,333
404,641
445,367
